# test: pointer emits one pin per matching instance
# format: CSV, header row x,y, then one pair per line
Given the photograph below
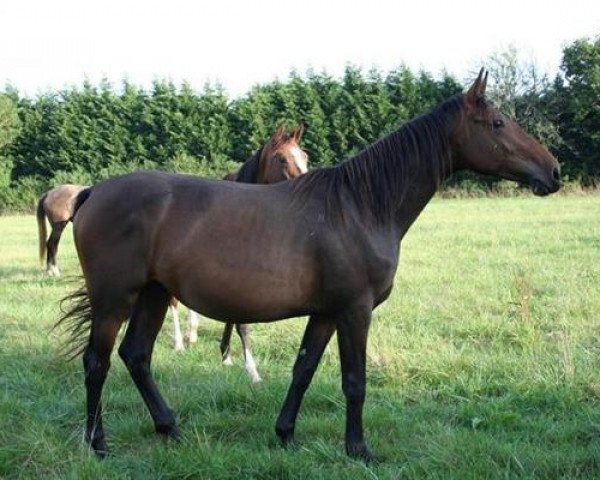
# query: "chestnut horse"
x,y
281,158
325,244
57,205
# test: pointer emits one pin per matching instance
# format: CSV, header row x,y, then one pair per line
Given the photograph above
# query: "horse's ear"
x,y
278,133
484,83
477,89
298,132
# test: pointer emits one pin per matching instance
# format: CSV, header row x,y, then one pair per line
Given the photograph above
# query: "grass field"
x,y
484,363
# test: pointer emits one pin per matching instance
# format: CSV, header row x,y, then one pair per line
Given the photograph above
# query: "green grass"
x,y
484,363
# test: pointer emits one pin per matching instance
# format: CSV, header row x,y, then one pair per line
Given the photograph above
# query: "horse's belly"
x,y
245,293
242,304
240,265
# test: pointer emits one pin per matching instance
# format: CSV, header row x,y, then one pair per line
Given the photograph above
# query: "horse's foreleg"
x,y
352,333
316,337
193,321
52,248
243,331
136,351
177,336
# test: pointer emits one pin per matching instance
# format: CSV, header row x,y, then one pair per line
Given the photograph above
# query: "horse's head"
x,y
489,142
282,158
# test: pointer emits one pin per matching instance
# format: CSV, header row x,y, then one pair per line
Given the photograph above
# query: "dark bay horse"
x,y
325,245
279,159
57,205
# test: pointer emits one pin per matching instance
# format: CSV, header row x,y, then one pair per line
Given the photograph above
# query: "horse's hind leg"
x,y
226,344
243,331
96,362
316,337
52,248
136,351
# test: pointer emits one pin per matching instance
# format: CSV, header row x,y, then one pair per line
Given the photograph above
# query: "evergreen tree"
x,y
577,109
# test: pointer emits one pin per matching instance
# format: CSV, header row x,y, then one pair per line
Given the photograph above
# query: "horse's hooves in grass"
x,y
100,449
101,454
287,441
170,432
227,361
53,271
362,453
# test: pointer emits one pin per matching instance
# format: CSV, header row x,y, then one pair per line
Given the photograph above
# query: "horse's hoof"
x,y
362,453
287,439
101,454
254,376
53,272
100,448
169,432
228,361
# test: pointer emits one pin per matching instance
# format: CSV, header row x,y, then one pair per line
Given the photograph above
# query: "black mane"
x,y
378,177
248,173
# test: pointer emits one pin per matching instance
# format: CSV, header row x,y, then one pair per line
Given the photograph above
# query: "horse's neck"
x,y
422,185
249,173
424,180
419,193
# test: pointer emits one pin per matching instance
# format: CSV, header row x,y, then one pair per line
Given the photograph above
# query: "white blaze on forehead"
x,y
299,159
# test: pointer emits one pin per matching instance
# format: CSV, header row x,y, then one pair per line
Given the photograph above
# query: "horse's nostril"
x,y
556,174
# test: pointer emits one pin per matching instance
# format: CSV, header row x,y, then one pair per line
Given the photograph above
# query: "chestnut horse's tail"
x,y
41,221
75,322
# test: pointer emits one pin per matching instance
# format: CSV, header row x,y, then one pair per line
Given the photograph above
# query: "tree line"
x,y
90,133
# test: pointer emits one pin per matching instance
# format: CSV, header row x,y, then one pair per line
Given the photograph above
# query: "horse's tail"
x,y
41,221
79,199
75,322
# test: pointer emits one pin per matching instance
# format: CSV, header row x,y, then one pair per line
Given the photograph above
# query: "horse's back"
x,y
59,202
124,206
226,249
152,208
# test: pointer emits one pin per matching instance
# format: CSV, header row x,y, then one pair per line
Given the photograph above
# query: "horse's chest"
x,y
355,271
381,274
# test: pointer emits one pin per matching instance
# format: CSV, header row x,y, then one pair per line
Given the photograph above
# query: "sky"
x,y
53,44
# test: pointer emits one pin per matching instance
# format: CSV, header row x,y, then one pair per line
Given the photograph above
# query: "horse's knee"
x,y
354,390
134,361
301,376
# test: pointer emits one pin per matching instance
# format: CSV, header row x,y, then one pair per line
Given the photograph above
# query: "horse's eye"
x,y
282,160
498,123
